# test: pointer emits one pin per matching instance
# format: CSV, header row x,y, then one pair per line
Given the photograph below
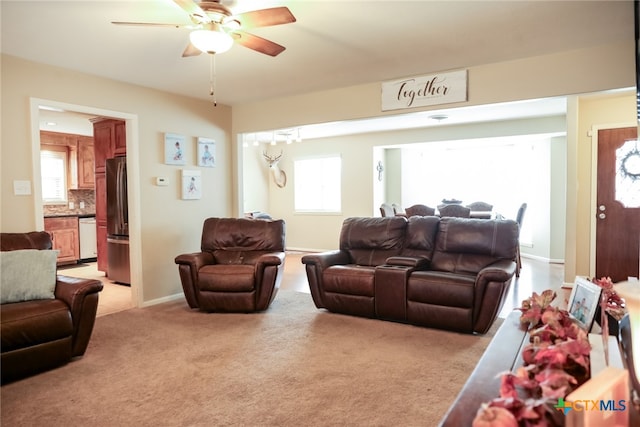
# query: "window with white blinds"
x,y
53,168
317,184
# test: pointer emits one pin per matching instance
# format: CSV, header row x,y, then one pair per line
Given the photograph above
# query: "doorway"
x,y
617,204
135,290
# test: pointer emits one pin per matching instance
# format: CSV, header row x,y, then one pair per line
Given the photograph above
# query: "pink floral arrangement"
x,y
556,361
610,301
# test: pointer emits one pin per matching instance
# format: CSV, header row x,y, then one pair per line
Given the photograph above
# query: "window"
x,y
317,184
53,168
465,170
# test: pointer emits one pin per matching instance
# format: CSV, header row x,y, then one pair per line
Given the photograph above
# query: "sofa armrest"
x,y
81,295
403,261
268,269
188,266
499,271
195,260
315,264
323,260
491,288
274,258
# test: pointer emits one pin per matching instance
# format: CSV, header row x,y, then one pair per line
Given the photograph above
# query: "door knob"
x,y
602,208
602,215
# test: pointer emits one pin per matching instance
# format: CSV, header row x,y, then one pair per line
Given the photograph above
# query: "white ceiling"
x,y
333,43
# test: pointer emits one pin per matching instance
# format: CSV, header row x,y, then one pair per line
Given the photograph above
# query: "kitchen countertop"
x,y
68,215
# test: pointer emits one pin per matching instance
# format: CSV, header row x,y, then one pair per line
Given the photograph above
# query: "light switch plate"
x,y
21,187
162,181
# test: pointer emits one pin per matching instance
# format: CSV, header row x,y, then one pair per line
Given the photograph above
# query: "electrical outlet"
x,y
81,205
72,205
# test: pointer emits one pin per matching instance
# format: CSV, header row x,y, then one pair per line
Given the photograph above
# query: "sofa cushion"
x,y
370,241
30,323
466,245
27,274
421,237
350,279
442,288
242,234
226,278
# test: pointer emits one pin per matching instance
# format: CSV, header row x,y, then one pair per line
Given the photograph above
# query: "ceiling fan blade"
x,y
265,17
258,43
152,24
196,13
191,50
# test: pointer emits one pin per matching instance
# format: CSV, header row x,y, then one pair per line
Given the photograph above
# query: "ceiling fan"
x,y
215,27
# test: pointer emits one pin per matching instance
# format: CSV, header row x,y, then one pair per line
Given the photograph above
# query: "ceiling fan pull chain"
x,y
212,78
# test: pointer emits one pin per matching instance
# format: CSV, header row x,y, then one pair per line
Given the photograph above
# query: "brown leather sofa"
x,y
42,334
239,267
447,273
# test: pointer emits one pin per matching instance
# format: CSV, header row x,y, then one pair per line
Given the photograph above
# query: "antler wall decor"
x,y
279,176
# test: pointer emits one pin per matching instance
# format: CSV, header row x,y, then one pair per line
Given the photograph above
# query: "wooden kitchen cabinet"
x,y
65,238
109,141
86,162
101,221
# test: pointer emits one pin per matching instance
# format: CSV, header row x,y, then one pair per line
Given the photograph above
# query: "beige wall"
x,y
601,68
169,226
166,225
360,184
593,111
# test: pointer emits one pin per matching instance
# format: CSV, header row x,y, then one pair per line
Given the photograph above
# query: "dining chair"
x,y
397,210
386,210
480,206
455,210
420,210
519,218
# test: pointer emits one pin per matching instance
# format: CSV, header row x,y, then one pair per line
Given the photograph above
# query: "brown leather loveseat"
x,y
447,273
41,334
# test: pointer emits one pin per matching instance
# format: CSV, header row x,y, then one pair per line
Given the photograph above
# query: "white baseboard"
x,y
308,250
173,297
544,259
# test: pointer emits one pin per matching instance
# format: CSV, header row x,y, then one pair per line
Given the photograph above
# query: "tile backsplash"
x,y
75,197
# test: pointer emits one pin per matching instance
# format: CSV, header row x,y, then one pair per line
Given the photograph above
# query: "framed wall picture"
x,y
191,184
584,301
206,152
175,149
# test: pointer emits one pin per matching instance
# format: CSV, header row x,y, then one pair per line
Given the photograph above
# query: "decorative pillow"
x,y
27,274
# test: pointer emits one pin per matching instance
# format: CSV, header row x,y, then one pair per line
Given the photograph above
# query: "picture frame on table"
x,y
584,301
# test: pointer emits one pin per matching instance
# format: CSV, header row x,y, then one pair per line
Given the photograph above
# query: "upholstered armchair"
x,y
239,267
46,319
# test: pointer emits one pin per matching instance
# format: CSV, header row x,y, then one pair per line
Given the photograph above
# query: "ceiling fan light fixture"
x,y
211,41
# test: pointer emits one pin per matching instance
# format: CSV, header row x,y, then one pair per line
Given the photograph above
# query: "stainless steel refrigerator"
x,y
117,221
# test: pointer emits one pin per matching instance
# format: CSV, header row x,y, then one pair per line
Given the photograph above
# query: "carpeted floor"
x,y
289,366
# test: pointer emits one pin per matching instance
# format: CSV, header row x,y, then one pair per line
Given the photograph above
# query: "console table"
x,y
505,353
502,354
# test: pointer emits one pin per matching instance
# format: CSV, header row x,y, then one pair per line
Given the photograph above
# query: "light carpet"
x,y
292,365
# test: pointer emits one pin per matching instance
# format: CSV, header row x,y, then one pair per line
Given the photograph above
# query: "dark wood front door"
x,y
618,204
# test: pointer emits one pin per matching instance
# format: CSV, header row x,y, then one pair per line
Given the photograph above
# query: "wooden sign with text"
x,y
435,89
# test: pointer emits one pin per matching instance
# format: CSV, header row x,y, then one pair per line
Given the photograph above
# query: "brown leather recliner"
x,y
38,335
239,267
